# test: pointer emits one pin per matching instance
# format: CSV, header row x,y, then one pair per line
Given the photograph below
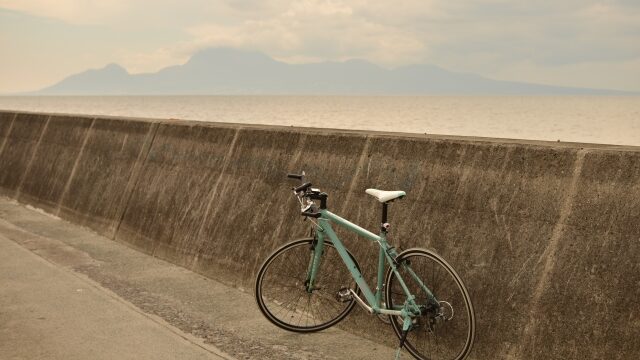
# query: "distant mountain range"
x,y
229,71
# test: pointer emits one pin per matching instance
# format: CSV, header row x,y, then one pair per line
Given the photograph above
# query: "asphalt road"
x,y
68,293
47,312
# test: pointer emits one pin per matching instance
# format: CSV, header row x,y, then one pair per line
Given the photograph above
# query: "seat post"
x,y
383,226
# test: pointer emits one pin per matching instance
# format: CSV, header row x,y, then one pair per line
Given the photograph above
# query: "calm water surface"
x,y
593,119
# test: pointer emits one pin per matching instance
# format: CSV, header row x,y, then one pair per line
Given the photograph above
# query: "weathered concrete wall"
x,y
6,123
105,173
20,144
46,177
545,235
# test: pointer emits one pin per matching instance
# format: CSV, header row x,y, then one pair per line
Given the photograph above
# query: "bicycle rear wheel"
x,y
281,287
445,334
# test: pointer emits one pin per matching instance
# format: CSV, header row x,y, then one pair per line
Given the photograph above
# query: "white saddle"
x,y
384,196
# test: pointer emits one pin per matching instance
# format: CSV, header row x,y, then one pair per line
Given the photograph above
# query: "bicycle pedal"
x,y
344,295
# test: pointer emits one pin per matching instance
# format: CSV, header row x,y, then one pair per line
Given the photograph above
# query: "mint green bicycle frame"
x,y
386,254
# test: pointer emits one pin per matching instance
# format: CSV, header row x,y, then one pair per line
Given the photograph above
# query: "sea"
x,y
584,119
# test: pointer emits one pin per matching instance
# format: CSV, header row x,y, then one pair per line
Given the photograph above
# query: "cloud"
x,y
79,12
125,14
150,61
314,29
391,33
489,37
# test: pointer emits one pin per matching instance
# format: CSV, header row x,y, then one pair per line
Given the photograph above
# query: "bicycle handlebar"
x,y
314,194
310,214
302,187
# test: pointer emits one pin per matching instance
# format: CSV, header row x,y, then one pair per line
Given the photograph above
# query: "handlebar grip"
x,y
311,214
302,187
295,176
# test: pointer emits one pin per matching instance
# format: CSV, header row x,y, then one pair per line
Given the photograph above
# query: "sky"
x,y
580,43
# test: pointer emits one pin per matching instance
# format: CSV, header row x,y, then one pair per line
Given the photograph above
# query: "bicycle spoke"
x,y
432,337
291,309
283,297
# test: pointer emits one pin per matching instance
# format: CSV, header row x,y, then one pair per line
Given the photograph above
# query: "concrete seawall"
x,y
546,235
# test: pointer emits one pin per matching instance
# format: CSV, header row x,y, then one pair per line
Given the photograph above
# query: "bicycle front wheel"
x,y
446,333
281,288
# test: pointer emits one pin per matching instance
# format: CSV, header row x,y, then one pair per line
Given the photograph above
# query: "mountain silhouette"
x,y
229,71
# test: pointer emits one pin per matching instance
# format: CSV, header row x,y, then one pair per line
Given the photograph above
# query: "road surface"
x,y
68,293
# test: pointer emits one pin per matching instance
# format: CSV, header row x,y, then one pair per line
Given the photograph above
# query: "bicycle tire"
x,y
280,287
430,339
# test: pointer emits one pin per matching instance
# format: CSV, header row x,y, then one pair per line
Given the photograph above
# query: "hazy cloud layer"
x,y
569,42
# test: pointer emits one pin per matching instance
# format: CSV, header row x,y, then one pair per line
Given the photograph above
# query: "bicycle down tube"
x,y
373,299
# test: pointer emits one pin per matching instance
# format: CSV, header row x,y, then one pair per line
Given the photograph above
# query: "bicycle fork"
x,y
314,263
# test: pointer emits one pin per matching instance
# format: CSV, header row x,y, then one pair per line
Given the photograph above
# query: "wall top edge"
x,y
360,133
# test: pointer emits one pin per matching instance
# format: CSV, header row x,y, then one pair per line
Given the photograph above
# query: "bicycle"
x,y
311,284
